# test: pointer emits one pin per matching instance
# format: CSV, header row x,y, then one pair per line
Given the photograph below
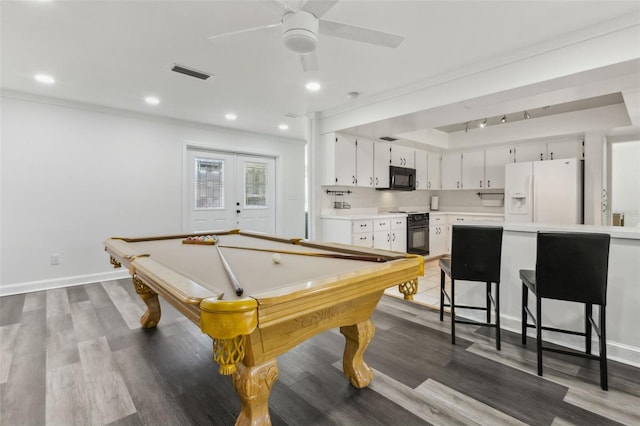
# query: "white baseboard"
x,y
28,287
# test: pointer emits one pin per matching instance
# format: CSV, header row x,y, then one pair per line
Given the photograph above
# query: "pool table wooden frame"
x,y
250,332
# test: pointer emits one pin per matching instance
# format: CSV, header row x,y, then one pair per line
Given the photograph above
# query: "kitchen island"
x,y
623,292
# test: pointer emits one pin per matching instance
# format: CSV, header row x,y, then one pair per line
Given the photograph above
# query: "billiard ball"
x,y
275,258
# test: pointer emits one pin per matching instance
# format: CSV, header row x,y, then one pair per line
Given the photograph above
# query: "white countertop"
x,y
632,233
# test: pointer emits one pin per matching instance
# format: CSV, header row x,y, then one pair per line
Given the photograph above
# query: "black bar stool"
x,y
475,256
571,267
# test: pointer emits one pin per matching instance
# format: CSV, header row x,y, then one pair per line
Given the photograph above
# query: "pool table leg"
x,y
151,317
253,386
408,288
357,338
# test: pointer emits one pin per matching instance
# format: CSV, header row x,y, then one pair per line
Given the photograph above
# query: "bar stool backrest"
x,y
476,252
572,266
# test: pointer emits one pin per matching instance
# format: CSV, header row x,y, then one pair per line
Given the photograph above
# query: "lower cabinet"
x,y
383,233
390,234
356,232
438,240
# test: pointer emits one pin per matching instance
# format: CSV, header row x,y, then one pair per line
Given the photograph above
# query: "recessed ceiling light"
x,y
44,79
230,116
283,126
152,100
484,123
313,86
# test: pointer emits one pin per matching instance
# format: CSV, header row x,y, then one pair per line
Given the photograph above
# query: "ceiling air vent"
x,y
388,138
190,72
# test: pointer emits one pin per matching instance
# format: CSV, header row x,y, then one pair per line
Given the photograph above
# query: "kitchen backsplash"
x,y
459,200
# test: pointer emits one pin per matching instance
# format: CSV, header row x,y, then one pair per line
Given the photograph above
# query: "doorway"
x,y
229,190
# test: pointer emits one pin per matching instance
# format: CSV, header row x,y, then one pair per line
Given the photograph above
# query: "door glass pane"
x,y
209,184
255,184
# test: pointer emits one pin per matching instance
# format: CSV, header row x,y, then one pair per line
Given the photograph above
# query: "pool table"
x,y
307,288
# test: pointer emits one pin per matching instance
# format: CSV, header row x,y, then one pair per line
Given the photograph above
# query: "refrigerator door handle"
x,y
532,191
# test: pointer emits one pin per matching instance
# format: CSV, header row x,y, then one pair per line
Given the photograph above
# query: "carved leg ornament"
x,y
357,338
253,385
150,318
408,289
228,353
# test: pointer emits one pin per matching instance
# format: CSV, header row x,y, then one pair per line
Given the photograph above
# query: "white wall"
x,y
72,177
625,181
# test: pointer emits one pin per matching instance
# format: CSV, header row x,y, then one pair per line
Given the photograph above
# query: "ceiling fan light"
x,y
300,41
300,31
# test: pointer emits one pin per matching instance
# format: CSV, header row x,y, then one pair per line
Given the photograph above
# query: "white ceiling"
x,y
114,53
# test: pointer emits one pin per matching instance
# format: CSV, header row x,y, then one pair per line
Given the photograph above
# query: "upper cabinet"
x,y
381,162
434,160
564,149
554,150
402,156
478,169
348,160
364,163
340,159
494,161
451,170
422,176
472,169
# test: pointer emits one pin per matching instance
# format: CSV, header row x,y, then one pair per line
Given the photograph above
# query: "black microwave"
x,y
402,178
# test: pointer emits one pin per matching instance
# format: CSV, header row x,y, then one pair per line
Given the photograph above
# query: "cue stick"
x,y
230,274
302,253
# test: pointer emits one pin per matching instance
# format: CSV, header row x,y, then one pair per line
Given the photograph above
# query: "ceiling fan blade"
x,y
309,62
364,35
283,5
246,30
319,7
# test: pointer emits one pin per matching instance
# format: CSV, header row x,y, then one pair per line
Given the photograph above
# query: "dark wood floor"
x,y
77,356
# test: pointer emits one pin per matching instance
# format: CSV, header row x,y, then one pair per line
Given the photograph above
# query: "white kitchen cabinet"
x,y
422,175
381,233
399,234
402,156
433,170
451,170
438,235
494,161
340,159
552,150
345,231
364,162
381,162
530,152
558,150
472,169
390,234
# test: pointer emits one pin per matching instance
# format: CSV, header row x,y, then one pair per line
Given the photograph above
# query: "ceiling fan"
x,y
300,30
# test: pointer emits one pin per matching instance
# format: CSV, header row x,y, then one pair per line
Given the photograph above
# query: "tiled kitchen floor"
x,y
428,286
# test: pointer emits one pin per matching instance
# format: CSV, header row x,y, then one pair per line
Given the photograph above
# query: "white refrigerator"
x,y
544,192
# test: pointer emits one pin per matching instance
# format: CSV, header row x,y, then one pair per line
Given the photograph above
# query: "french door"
x,y
227,191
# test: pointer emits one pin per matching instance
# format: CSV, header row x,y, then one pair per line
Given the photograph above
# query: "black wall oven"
x,y
418,233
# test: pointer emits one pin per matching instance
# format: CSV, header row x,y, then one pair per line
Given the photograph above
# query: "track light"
x,y
483,123
466,127
503,119
526,115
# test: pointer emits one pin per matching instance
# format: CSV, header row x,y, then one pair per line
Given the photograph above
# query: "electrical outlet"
x,y
55,259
